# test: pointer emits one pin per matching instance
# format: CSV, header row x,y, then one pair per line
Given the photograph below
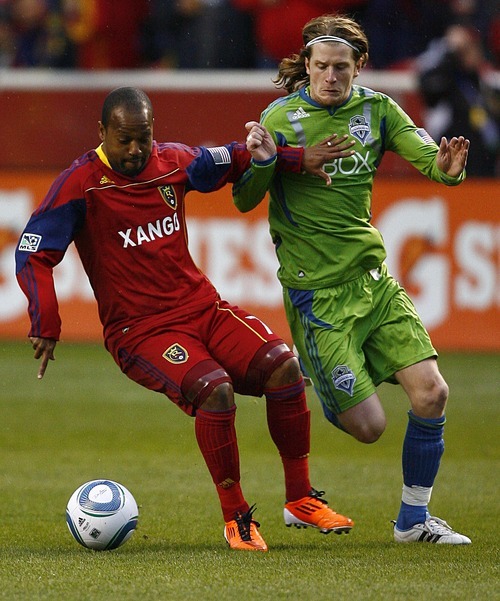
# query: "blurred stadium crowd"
x,y
452,45
219,34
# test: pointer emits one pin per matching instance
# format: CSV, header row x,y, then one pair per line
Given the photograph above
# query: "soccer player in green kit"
x,y
353,325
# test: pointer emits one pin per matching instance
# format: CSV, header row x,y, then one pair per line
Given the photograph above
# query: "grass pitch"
x,y
86,420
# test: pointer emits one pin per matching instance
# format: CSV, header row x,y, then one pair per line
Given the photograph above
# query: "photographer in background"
x,y
458,97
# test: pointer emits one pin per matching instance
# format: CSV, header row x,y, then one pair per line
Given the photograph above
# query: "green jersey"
x,y
323,234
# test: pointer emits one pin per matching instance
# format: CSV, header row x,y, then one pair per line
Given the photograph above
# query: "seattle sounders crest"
x,y
359,128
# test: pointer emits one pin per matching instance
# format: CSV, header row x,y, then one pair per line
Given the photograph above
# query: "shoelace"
x,y
437,526
317,494
244,521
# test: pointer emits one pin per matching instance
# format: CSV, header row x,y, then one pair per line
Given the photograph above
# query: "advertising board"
x,y
443,246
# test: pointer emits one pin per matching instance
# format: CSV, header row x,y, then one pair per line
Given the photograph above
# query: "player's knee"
x,y
286,373
431,399
368,433
220,399
441,392
366,426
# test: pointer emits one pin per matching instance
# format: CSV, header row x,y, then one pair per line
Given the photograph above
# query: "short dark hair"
x,y
132,99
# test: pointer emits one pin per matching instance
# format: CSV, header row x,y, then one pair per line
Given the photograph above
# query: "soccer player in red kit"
x,y
163,321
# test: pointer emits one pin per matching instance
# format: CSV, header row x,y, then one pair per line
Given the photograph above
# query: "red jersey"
x,y
130,233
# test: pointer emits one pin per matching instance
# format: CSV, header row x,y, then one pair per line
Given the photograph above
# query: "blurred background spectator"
x,y
278,23
84,34
7,38
37,35
108,34
400,30
458,97
222,34
198,34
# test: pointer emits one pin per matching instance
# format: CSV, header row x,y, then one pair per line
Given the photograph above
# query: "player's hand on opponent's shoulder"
x,y
259,142
331,148
452,156
44,350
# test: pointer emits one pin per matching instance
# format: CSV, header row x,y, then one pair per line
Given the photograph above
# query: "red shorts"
x,y
188,357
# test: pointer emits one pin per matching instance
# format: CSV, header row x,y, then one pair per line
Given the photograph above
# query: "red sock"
x,y
216,436
288,419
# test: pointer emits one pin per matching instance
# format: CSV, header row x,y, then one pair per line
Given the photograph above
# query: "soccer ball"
x,y
101,514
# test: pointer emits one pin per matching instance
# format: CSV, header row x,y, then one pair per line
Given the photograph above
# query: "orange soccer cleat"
x,y
314,511
242,534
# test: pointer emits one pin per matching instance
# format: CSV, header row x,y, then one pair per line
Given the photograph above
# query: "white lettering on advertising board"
x,y
238,257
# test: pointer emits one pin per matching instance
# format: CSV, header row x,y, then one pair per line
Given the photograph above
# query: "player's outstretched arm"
x,y
452,156
44,350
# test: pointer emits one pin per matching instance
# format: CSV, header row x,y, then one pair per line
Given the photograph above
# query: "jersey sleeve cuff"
x,y
290,158
265,163
448,180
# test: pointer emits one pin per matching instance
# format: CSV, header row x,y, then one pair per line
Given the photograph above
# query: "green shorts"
x,y
353,336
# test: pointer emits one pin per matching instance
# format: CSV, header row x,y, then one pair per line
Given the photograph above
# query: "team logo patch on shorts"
x,y
343,379
176,354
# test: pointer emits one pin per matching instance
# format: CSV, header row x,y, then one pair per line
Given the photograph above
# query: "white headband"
x,y
330,38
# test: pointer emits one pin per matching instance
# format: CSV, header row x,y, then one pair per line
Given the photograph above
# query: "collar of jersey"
x,y
304,94
102,156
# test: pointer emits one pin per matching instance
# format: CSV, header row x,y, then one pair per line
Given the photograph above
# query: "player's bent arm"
x,y
263,147
251,188
416,146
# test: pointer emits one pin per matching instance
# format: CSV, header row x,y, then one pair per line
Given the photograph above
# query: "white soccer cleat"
x,y
433,530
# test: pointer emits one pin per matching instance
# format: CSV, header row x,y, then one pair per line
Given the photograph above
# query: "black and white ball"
x,y
102,514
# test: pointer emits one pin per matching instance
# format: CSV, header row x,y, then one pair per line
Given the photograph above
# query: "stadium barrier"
x,y
52,117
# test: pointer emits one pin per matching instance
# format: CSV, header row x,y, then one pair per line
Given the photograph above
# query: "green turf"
x,y
86,420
